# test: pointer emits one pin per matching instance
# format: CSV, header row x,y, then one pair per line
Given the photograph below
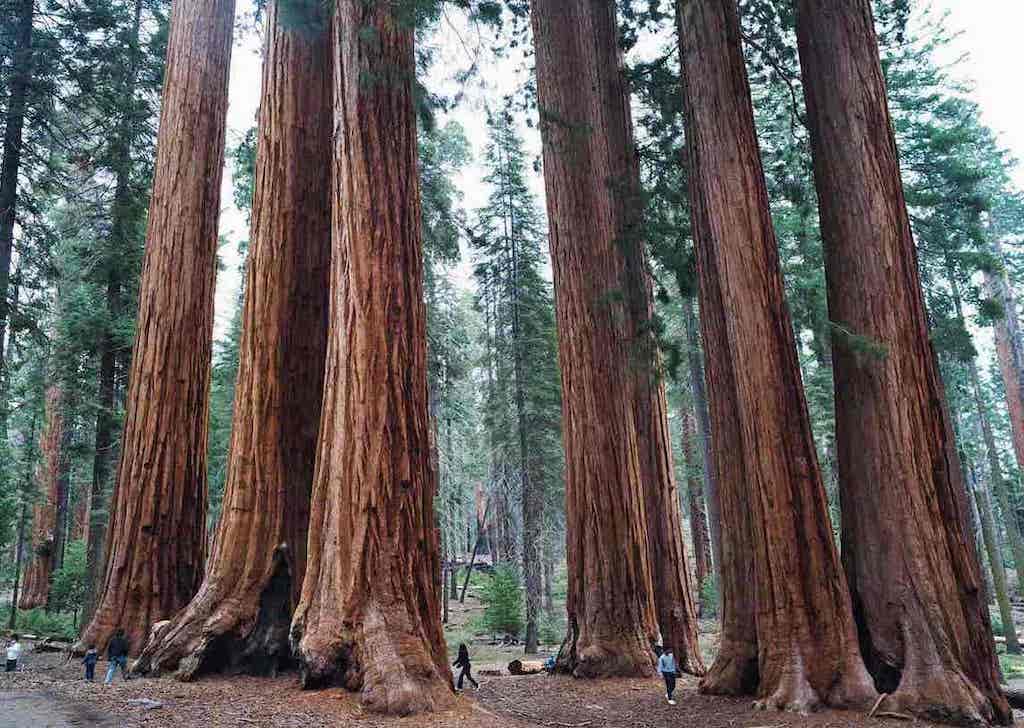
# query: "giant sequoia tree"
x,y
156,537
42,557
788,629
241,614
619,479
369,616
907,546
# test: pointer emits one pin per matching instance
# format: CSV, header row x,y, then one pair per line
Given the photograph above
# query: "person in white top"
x,y
13,653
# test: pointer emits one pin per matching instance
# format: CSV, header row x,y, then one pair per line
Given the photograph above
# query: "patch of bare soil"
x,y
50,691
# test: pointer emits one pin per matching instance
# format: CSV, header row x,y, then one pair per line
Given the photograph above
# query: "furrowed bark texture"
x,y
788,629
907,546
369,616
239,619
156,534
42,556
1010,353
695,497
588,171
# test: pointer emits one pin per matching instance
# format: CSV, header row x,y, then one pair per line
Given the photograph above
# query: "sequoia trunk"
x,y
695,495
155,540
788,629
369,615
240,617
1010,353
907,546
42,557
588,174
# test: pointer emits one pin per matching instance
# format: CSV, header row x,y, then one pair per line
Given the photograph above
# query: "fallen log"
x,y
528,667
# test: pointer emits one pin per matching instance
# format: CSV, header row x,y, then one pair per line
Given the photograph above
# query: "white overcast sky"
x,y
988,34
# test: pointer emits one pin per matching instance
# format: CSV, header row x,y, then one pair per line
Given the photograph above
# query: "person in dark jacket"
x,y
90,660
117,654
463,662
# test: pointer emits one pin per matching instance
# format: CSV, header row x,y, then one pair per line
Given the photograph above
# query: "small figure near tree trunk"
x,y
463,661
117,655
13,653
90,660
668,669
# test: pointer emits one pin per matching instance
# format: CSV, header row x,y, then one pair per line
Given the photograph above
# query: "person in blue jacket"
x,y
667,668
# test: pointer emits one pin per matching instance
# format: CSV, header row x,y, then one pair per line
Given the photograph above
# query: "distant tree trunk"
x,y
788,628
19,550
549,585
695,365
117,248
156,536
239,619
990,538
695,497
581,93
369,617
995,470
14,124
35,590
907,547
1010,353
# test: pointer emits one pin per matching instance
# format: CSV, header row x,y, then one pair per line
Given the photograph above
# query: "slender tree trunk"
x,y
995,469
695,496
907,547
12,619
369,617
239,619
1010,353
35,590
788,628
156,536
695,366
995,559
14,124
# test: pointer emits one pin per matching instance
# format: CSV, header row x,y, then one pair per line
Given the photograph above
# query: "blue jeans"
x,y
112,664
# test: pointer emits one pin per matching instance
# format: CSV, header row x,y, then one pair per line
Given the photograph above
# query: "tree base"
x,y
734,672
946,696
391,669
233,634
593,658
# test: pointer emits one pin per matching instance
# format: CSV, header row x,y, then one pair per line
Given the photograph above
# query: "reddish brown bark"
x,y
788,629
695,496
156,534
611,401
369,616
907,546
1010,353
240,617
42,555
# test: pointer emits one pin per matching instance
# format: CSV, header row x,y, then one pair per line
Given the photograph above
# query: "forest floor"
x,y
48,692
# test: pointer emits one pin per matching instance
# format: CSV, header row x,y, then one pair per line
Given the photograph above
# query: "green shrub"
x,y
503,602
552,627
709,598
67,588
47,624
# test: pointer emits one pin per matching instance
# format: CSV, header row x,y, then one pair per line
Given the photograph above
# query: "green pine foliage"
x,y
503,602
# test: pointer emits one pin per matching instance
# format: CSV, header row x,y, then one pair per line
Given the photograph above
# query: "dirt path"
x,y
42,709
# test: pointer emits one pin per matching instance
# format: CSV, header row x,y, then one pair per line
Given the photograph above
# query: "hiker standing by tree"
x,y
14,652
667,667
463,661
117,654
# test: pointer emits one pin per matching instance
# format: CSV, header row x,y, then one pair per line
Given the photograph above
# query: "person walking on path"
x,y
117,654
13,653
90,660
463,662
667,668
